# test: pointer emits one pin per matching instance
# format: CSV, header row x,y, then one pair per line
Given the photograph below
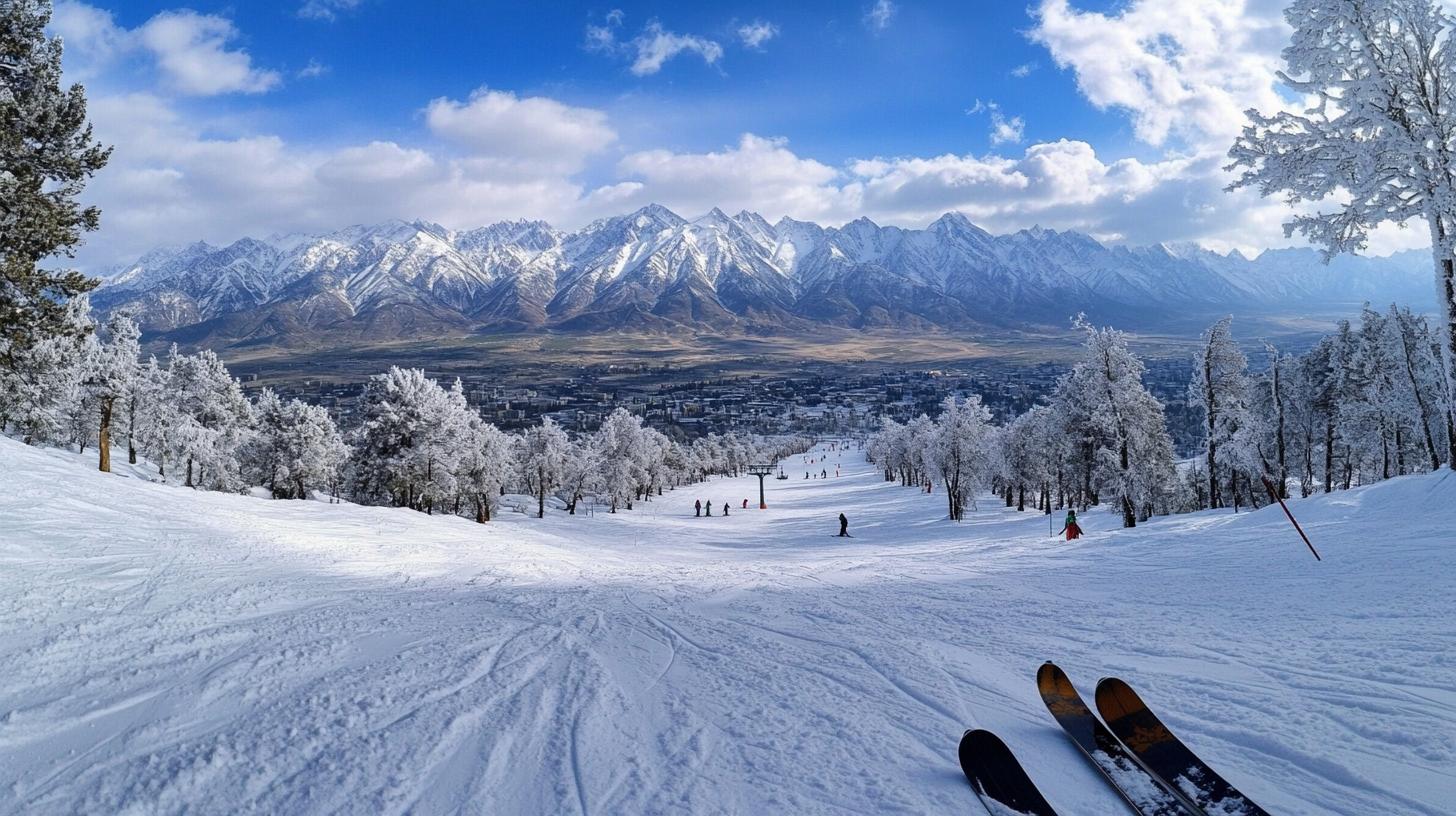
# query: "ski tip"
x,y
1116,700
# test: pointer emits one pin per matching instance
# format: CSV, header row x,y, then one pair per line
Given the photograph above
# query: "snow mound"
x,y
168,650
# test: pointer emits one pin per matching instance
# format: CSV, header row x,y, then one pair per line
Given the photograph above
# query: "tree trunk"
x,y
1329,453
1210,410
103,435
1279,433
1446,294
131,452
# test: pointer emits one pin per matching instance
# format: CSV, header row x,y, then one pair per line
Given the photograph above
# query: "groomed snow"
x,y
166,650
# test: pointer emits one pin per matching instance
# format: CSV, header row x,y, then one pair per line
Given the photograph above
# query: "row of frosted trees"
x,y
417,444
1363,404
1102,437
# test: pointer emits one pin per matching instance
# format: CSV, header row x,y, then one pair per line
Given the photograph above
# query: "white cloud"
x,y
756,33
1183,68
1023,70
314,68
1006,129
757,173
91,35
878,17
656,45
328,10
533,131
192,52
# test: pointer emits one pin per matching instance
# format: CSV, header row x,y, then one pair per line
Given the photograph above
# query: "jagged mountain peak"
x,y
652,268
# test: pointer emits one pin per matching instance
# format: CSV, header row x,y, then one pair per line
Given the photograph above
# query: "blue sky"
x,y
303,115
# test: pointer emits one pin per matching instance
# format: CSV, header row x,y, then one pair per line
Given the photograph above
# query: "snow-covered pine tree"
x,y
406,446
1379,140
212,420
47,154
296,448
40,383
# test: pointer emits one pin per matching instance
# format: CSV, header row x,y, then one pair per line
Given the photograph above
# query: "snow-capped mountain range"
x,y
655,270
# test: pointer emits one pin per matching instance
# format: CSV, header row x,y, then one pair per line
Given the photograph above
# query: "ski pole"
x,y
1274,494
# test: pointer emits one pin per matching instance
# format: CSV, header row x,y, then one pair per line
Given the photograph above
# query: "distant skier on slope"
x,y
708,509
843,526
745,504
698,507
1071,528
725,508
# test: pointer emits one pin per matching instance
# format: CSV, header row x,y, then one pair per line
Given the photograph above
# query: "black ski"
x,y
998,778
1143,791
1165,755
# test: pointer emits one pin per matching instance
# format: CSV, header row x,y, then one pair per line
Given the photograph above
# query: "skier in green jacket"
x,y
1071,528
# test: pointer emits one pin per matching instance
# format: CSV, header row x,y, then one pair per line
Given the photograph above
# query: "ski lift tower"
x,y
761,471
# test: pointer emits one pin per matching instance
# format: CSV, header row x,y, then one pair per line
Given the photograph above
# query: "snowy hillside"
x,y
655,269
168,650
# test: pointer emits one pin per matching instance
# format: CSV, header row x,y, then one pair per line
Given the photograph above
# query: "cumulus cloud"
x,y
192,52
756,33
1182,68
878,17
757,173
536,131
170,179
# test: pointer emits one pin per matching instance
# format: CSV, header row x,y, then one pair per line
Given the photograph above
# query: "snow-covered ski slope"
x,y
164,650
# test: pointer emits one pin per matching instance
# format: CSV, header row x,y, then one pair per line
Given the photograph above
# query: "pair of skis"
x,y
1153,771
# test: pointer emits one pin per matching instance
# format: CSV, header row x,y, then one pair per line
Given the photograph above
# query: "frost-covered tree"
x,y
408,445
296,448
622,455
211,420
47,154
1419,373
581,472
542,455
1103,396
486,466
1379,141
958,447
1219,388
40,384
111,371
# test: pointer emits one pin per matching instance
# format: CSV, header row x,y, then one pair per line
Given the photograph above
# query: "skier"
x,y
698,507
843,526
745,504
725,508
824,474
1070,528
708,509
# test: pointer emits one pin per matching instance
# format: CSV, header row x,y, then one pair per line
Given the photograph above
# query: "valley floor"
x,y
167,650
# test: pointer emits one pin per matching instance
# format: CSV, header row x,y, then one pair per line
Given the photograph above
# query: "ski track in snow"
x,y
166,650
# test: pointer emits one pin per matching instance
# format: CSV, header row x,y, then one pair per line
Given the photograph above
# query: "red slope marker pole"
x,y
1274,494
